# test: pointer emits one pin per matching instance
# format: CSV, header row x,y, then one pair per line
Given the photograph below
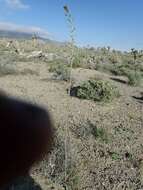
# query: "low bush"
x,y
134,78
60,70
96,90
114,69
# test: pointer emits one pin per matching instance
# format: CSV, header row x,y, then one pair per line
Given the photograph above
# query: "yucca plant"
x,y
134,52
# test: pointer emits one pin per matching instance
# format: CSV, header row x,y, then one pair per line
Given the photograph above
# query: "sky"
x,y
115,23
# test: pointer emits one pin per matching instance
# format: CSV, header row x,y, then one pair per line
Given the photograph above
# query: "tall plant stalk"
x,y
72,30
70,22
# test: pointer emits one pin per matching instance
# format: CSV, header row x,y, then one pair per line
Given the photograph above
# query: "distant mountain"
x,y
24,35
13,34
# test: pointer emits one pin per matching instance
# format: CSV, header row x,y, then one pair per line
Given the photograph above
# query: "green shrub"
x,y
100,133
120,70
97,90
60,70
134,78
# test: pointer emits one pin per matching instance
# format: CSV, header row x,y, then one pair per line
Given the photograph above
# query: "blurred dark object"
x,y
23,183
26,136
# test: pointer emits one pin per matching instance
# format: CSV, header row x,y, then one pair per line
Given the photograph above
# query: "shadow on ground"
x,y
139,99
119,80
73,91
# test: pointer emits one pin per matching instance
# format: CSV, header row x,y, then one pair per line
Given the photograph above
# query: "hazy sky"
x,y
117,23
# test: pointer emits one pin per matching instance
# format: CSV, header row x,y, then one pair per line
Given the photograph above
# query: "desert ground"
x,y
109,160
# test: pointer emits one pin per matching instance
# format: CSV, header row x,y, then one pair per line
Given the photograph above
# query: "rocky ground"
x,y
112,163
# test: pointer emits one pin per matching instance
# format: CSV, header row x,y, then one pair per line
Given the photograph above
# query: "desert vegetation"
x,y
102,115
96,90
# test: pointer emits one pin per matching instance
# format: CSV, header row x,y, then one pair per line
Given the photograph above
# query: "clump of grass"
x,y
7,70
134,78
115,156
97,90
98,133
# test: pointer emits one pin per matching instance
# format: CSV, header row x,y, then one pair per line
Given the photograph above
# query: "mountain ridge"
x,y
24,36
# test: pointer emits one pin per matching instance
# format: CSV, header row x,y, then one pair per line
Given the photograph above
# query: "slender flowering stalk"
x,y
71,46
72,30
